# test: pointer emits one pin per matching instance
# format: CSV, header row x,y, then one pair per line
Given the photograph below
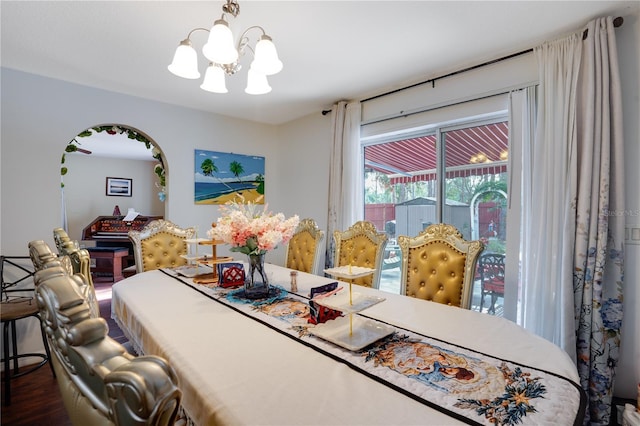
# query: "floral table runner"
x,y
472,387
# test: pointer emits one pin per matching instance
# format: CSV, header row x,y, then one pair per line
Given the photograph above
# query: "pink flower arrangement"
x,y
251,230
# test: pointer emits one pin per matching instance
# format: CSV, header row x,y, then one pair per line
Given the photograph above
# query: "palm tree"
x,y
208,167
237,169
260,180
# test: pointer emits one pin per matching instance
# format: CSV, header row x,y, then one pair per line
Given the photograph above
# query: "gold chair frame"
x,y
361,245
156,245
100,382
80,258
439,265
304,248
76,261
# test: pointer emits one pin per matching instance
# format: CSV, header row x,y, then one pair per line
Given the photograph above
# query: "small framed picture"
x,y
119,187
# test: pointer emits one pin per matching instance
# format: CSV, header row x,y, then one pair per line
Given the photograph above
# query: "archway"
x,y
104,154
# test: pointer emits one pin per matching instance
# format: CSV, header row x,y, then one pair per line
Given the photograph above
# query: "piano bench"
x,y
108,263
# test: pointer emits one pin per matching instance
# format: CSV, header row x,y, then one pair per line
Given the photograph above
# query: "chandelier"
x,y
224,56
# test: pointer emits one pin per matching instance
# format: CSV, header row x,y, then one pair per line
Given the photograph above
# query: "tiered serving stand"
x,y
350,331
195,260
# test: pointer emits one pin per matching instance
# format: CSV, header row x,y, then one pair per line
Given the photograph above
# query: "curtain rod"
x,y
617,22
433,80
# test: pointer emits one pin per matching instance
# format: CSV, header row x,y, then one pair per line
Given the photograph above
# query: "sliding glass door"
x,y
455,174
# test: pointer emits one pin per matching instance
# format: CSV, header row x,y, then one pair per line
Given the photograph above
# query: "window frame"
x,y
440,130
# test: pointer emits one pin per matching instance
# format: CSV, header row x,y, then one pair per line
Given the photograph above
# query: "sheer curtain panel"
x,y
522,129
548,193
346,198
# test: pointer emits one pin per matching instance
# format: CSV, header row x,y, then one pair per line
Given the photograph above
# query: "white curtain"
x,y
573,204
63,207
346,199
522,124
548,212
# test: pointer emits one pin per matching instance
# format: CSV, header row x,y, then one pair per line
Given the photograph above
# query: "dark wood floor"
x,y
35,400
35,397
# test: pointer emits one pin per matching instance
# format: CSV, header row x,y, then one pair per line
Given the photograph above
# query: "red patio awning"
x,y
470,151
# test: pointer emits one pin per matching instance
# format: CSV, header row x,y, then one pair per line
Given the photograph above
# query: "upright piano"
x,y
112,231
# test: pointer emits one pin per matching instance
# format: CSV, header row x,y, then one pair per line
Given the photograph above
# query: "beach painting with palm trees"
x,y
221,177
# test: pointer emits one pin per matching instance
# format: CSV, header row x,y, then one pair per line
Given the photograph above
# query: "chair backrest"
x,y
439,265
62,240
160,244
304,248
100,382
491,268
76,263
361,245
80,258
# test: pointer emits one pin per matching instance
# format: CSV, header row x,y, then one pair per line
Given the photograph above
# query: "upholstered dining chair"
x,y
80,258
160,244
303,249
62,240
76,262
491,271
100,382
361,245
439,265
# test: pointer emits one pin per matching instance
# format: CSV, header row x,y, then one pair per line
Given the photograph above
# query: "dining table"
x,y
381,359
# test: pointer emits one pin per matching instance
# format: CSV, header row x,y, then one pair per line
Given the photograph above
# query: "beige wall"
x,y
39,117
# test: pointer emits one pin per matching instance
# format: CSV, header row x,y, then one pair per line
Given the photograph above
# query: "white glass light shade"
x,y
257,83
185,61
266,57
214,80
219,47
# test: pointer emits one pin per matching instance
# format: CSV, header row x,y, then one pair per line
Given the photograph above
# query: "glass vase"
x,y
256,284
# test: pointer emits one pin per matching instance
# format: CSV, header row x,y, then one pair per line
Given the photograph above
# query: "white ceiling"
x,y
113,146
331,50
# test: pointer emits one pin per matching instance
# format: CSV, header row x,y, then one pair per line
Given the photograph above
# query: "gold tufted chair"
x,y
100,382
160,244
439,265
361,245
303,250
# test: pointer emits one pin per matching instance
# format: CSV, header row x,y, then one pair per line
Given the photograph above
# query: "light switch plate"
x,y
632,234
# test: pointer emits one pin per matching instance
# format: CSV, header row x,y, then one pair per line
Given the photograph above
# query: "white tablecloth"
x,y
234,370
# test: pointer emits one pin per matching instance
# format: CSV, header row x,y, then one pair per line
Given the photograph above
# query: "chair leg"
x,y
492,308
481,300
14,341
9,373
7,364
45,342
